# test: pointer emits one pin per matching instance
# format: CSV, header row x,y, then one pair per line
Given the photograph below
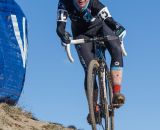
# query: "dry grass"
x,y
15,118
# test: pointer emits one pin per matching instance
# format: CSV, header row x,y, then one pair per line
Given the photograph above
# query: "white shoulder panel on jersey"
x,y
104,13
62,15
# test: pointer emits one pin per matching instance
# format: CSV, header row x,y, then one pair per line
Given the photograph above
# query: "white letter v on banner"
x,y
23,47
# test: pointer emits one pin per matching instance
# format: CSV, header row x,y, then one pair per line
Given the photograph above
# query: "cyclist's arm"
x,y
62,15
104,14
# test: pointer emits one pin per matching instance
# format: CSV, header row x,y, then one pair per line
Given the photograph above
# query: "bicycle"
x,y
99,70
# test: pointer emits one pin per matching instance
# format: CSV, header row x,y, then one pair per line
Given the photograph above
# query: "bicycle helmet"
x,y
81,4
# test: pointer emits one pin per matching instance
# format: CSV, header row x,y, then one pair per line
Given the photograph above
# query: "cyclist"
x,y
90,18
13,49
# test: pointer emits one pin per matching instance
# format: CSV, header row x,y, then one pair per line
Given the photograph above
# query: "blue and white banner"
x,y
13,52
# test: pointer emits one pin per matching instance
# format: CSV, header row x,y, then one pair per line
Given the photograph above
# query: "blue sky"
x,y
53,89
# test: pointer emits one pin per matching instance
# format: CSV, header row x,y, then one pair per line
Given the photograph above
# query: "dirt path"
x,y
14,118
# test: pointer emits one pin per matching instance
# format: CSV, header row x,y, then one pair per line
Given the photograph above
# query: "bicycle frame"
x,y
99,49
105,92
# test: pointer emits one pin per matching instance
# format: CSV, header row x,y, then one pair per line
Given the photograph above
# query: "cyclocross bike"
x,y
99,71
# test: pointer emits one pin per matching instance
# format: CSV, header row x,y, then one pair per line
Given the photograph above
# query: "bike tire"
x,y
93,66
105,84
93,70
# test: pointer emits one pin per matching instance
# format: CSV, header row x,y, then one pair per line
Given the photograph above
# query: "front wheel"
x,y
104,97
92,72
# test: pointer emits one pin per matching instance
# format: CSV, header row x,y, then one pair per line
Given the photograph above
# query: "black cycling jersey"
x,y
81,21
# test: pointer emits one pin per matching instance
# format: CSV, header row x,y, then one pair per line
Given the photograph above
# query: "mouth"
x,y
81,3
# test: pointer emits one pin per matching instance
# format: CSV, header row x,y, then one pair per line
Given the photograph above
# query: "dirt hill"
x,y
14,118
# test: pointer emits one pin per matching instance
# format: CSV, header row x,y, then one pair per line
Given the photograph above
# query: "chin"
x,y
81,6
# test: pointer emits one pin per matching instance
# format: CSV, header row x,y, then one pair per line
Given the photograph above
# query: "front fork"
x,y
106,92
103,87
103,79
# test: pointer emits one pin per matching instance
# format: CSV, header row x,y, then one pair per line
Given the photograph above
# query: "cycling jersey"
x,y
95,13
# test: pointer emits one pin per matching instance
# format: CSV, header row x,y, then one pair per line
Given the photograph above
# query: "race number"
x,y
104,13
62,15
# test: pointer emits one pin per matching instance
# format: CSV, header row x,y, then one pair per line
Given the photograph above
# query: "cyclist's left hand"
x,y
121,32
66,39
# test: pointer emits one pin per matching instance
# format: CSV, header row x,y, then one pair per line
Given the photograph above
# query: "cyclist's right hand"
x,y
66,38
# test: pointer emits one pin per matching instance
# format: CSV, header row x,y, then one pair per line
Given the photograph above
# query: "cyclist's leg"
x,y
86,51
86,54
115,51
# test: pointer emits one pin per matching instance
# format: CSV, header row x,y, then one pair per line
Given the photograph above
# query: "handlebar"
x,y
82,41
104,38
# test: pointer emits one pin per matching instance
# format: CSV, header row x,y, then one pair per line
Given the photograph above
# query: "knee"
x,y
116,55
117,48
